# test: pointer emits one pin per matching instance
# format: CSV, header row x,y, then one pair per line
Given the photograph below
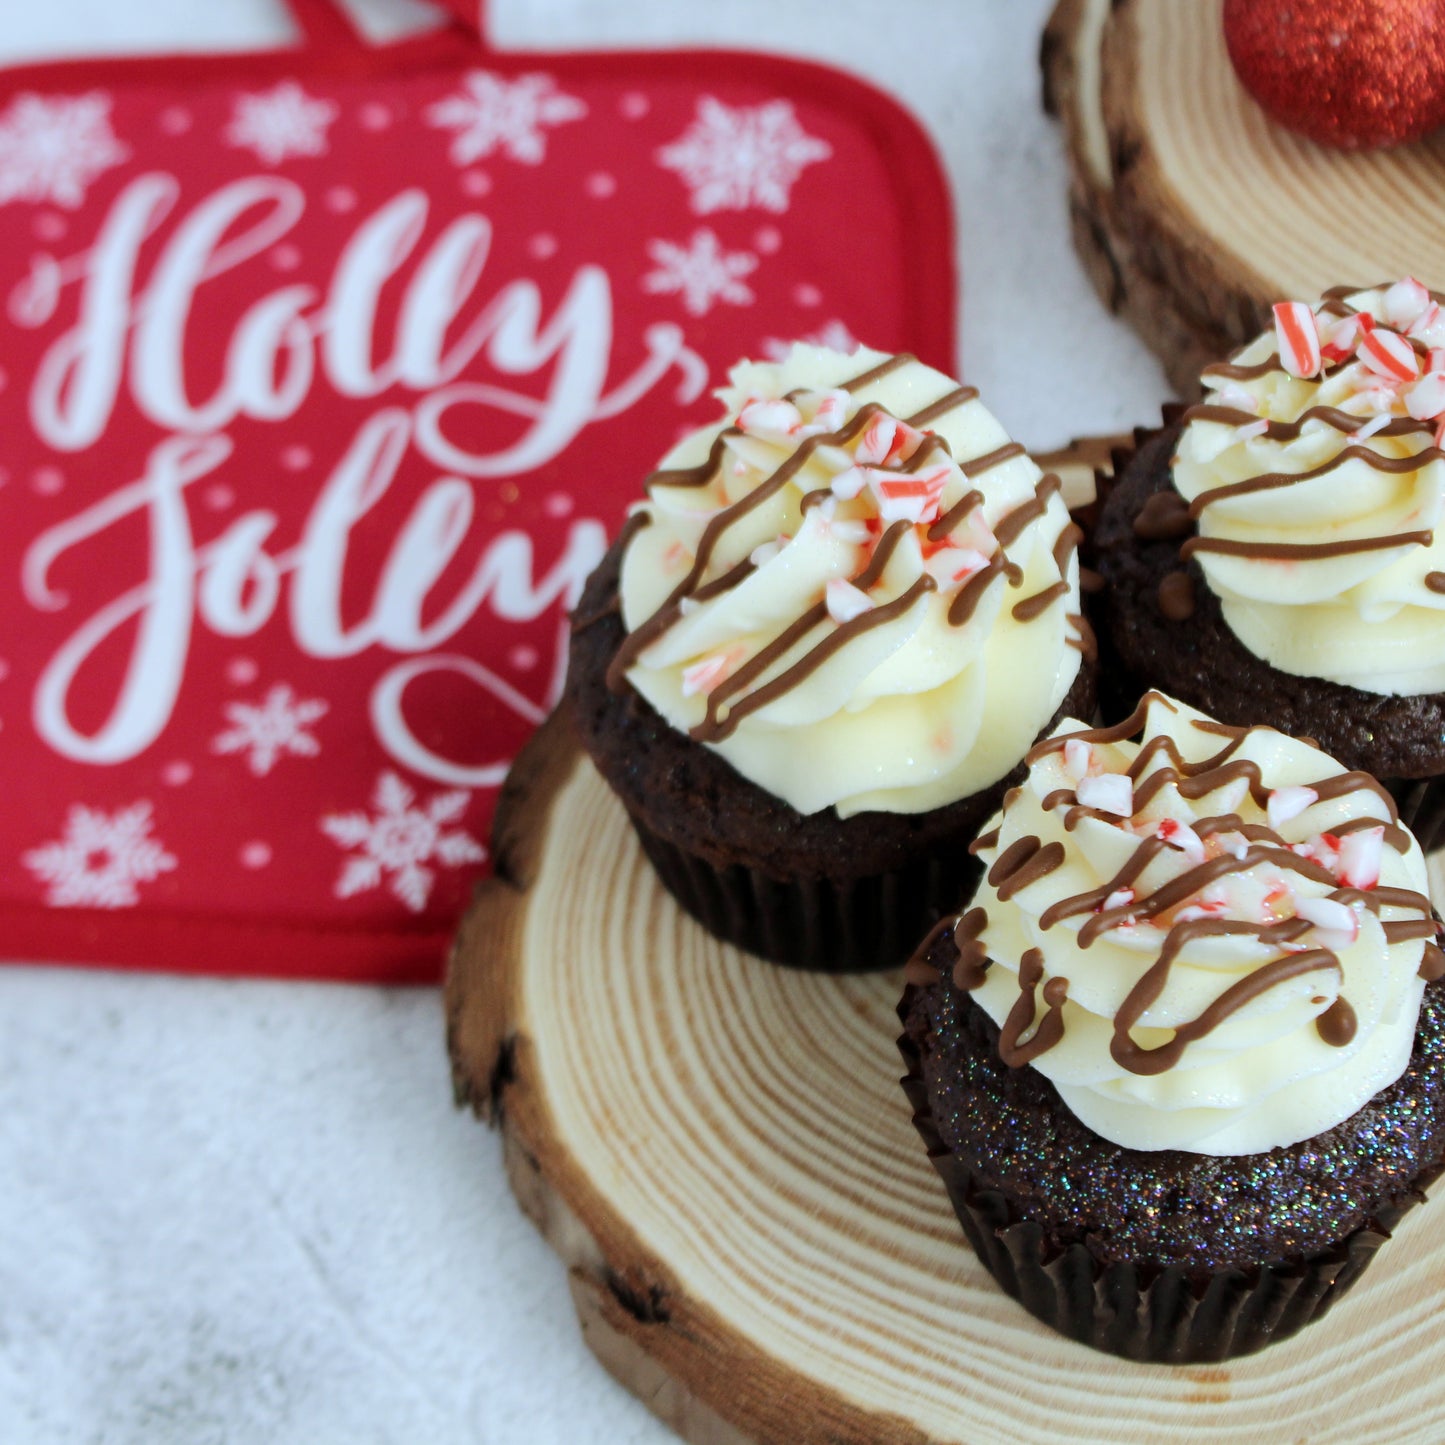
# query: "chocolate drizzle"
x,y
1288,431
1272,481
1304,551
1084,639
1040,602
1021,863
971,969
1051,1027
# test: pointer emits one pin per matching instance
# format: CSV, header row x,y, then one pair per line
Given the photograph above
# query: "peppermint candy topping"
x,y
1388,354
1405,302
1182,836
1107,793
1297,337
1286,803
845,601
1360,855
912,498
1330,915
705,675
1426,399
1077,757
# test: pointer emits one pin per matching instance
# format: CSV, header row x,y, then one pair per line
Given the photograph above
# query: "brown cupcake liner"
x,y
1173,1314
831,925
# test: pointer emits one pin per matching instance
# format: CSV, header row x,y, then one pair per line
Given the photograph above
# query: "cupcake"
x,y
821,646
1276,553
1181,1063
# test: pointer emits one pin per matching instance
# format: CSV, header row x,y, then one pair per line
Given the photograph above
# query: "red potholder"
x,y
327,373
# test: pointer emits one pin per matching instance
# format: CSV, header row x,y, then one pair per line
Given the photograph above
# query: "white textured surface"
x,y
248,1212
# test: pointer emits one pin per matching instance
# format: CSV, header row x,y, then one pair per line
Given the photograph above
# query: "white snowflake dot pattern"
x,y
271,730
398,839
701,272
101,859
280,123
831,335
52,148
732,158
490,113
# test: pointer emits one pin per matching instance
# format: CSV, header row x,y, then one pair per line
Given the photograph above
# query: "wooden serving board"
x,y
1193,211
757,1246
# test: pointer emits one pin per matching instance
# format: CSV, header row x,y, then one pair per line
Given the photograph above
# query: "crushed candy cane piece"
x,y
950,566
1182,836
778,419
909,498
1232,394
1376,423
1287,803
1250,430
1330,915
1426,399
1360,855
1077,757
1404,301
849,484
1428,319
705,675
1298,338
845,601
1430,328
1339,338
1198,910
1388,354
1119,897
1107,793
831,410
906,441
877,440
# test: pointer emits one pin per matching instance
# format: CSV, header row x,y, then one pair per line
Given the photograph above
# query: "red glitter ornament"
x,y
1343,72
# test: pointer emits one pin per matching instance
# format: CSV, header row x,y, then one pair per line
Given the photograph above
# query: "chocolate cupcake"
x,y
820,648
1277,553
1181,1064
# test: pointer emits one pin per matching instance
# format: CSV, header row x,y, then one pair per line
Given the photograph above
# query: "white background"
x,y
248,1211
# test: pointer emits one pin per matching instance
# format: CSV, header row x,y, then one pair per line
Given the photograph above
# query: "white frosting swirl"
x,y
1265,1076
1366,618
904,713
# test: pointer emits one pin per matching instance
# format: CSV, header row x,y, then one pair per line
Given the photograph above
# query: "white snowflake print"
x,y
491,113
51,149
272,729
398,839
280,123
733,158
101,858
832,335
701,272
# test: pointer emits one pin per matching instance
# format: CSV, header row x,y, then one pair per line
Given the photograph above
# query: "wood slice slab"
x,y
758,1247
1193,211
